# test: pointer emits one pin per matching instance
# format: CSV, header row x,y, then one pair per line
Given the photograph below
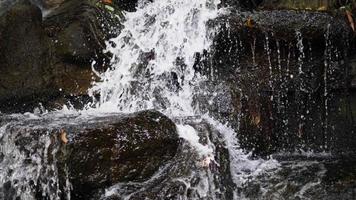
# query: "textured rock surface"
x,y
190,175
93,153
285,77
49,59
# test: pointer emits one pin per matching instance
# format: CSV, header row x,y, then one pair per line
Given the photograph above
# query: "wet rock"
x,y
93,153
128,5
306,4
192,174
317,176
79,30
131,149
24,53
286,76
48,60
241,4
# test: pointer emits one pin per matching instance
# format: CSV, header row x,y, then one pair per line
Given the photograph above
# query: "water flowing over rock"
x,y
287,76
257,100
90,153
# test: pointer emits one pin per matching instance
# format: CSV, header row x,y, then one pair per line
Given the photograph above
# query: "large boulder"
x,y
24,53
142,155
200,169
286,76
79,30
324,5
49,59
92,153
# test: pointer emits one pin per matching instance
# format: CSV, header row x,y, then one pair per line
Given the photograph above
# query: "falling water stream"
x,y
152,68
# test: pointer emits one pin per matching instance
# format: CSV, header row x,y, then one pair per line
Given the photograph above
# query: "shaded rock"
x,y
241,4
46,5
49,60
24,53
285,74
128,5
190,175
100,152
306,4
353,73
79,30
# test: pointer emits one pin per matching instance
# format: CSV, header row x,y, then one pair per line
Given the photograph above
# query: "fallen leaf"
x,y
249,22
63,136
255,118
107,1
322,8
351,20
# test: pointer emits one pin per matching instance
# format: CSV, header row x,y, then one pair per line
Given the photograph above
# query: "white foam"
x,y
188,133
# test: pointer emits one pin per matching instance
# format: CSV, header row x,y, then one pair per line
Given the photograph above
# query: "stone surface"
x,y
114,156
24,53
284,75
187,176
93,153
48,60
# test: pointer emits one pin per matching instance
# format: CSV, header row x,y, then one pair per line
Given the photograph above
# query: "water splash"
x,y
154,55
153,68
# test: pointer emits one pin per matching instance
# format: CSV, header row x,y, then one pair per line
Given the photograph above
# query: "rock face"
x,y
131,149
49,59
321,5
128,5
99,153
24,53
191,175
109,157
286,76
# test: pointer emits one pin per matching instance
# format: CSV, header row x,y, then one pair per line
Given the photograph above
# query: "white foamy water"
x,y
160,38
152,68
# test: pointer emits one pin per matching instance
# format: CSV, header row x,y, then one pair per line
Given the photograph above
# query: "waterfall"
x,y
152,68
154,55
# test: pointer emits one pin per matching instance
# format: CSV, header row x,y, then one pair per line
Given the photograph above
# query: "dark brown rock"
x,y
285,77
93,153
24,53
129,149
48,60
187,165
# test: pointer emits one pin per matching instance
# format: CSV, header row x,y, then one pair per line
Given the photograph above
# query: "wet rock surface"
x,y
285,75
281,78
114,157
320,176
92,153
192,174
48,60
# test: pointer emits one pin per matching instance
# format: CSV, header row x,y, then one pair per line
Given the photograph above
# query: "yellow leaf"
x,y
249,23
107,1
63,136
351,20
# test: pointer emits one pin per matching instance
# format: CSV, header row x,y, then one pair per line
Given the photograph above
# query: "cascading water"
x,y
152,68
156,64
153,58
